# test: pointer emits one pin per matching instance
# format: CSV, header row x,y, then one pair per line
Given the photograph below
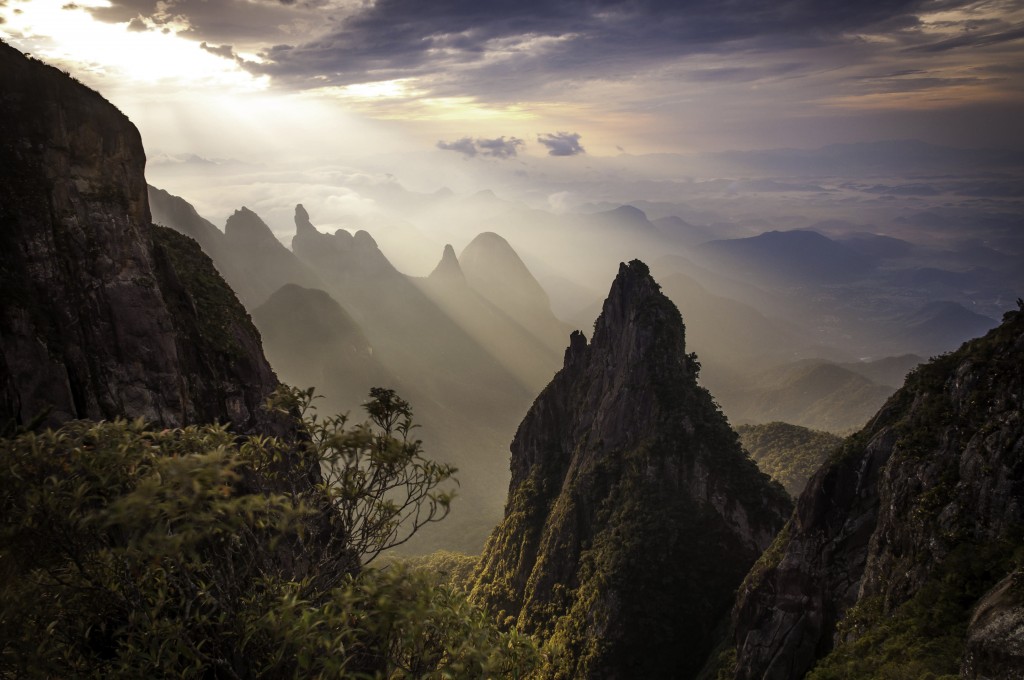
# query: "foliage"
x,y
217,310
454,569
790,454
923,637
132,552
377,481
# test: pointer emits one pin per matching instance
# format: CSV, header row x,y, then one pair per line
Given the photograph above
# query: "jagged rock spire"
x,y
633,513
302,223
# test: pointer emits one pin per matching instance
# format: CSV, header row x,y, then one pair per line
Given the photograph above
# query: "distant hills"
x,y
788,257
812,393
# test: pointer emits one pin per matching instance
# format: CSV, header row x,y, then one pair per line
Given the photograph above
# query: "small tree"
x,y
380,487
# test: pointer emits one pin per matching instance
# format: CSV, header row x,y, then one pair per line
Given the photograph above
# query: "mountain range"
x,y
638,537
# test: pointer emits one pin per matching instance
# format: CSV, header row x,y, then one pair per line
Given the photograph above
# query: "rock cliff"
x,y
102,314
633,512
912,525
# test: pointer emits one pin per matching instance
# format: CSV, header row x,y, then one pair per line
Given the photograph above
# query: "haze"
x,y
830,192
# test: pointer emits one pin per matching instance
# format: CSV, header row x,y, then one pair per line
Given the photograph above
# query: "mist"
x,y
810,282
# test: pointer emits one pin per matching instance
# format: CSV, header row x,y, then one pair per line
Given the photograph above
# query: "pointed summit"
x,y
493,269
448,269
633,512
302,223
246,226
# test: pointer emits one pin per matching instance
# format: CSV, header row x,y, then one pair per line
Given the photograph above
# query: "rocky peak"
x,y
362,239
494,270
448,269
577,348
245,226
633,513
302,223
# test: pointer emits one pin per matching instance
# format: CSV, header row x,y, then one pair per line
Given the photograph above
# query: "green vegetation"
x,y
790,454
923,637
218,311
454,569
131,552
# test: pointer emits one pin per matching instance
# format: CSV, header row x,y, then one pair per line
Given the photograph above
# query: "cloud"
x,y
499,147
138,25
466,146
226,51
972,38
562,143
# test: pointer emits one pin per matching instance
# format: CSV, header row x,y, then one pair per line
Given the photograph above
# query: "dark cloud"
x,y
466,146
70,5
225,21
575,38
505,51
499,147
562,143
226,51
137,24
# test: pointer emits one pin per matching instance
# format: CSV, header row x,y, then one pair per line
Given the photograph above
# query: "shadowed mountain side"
x,y
811,393
253,265
516,348
311,341
494,270
175,212
903,544
632,511
103,315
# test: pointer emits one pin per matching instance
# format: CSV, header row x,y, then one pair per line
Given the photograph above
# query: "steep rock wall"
x,y
100,314
926,502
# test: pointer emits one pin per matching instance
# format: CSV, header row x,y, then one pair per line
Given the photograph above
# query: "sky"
x,y
502,79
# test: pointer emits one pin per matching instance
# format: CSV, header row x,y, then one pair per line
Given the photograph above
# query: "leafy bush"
x,y
127,551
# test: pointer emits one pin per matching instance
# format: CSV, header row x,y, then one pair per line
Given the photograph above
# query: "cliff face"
x,y
632,513
920,511
101,314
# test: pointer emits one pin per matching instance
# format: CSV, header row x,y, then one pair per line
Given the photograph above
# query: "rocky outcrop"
x,y
920,511
633,512
995,635
101,314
